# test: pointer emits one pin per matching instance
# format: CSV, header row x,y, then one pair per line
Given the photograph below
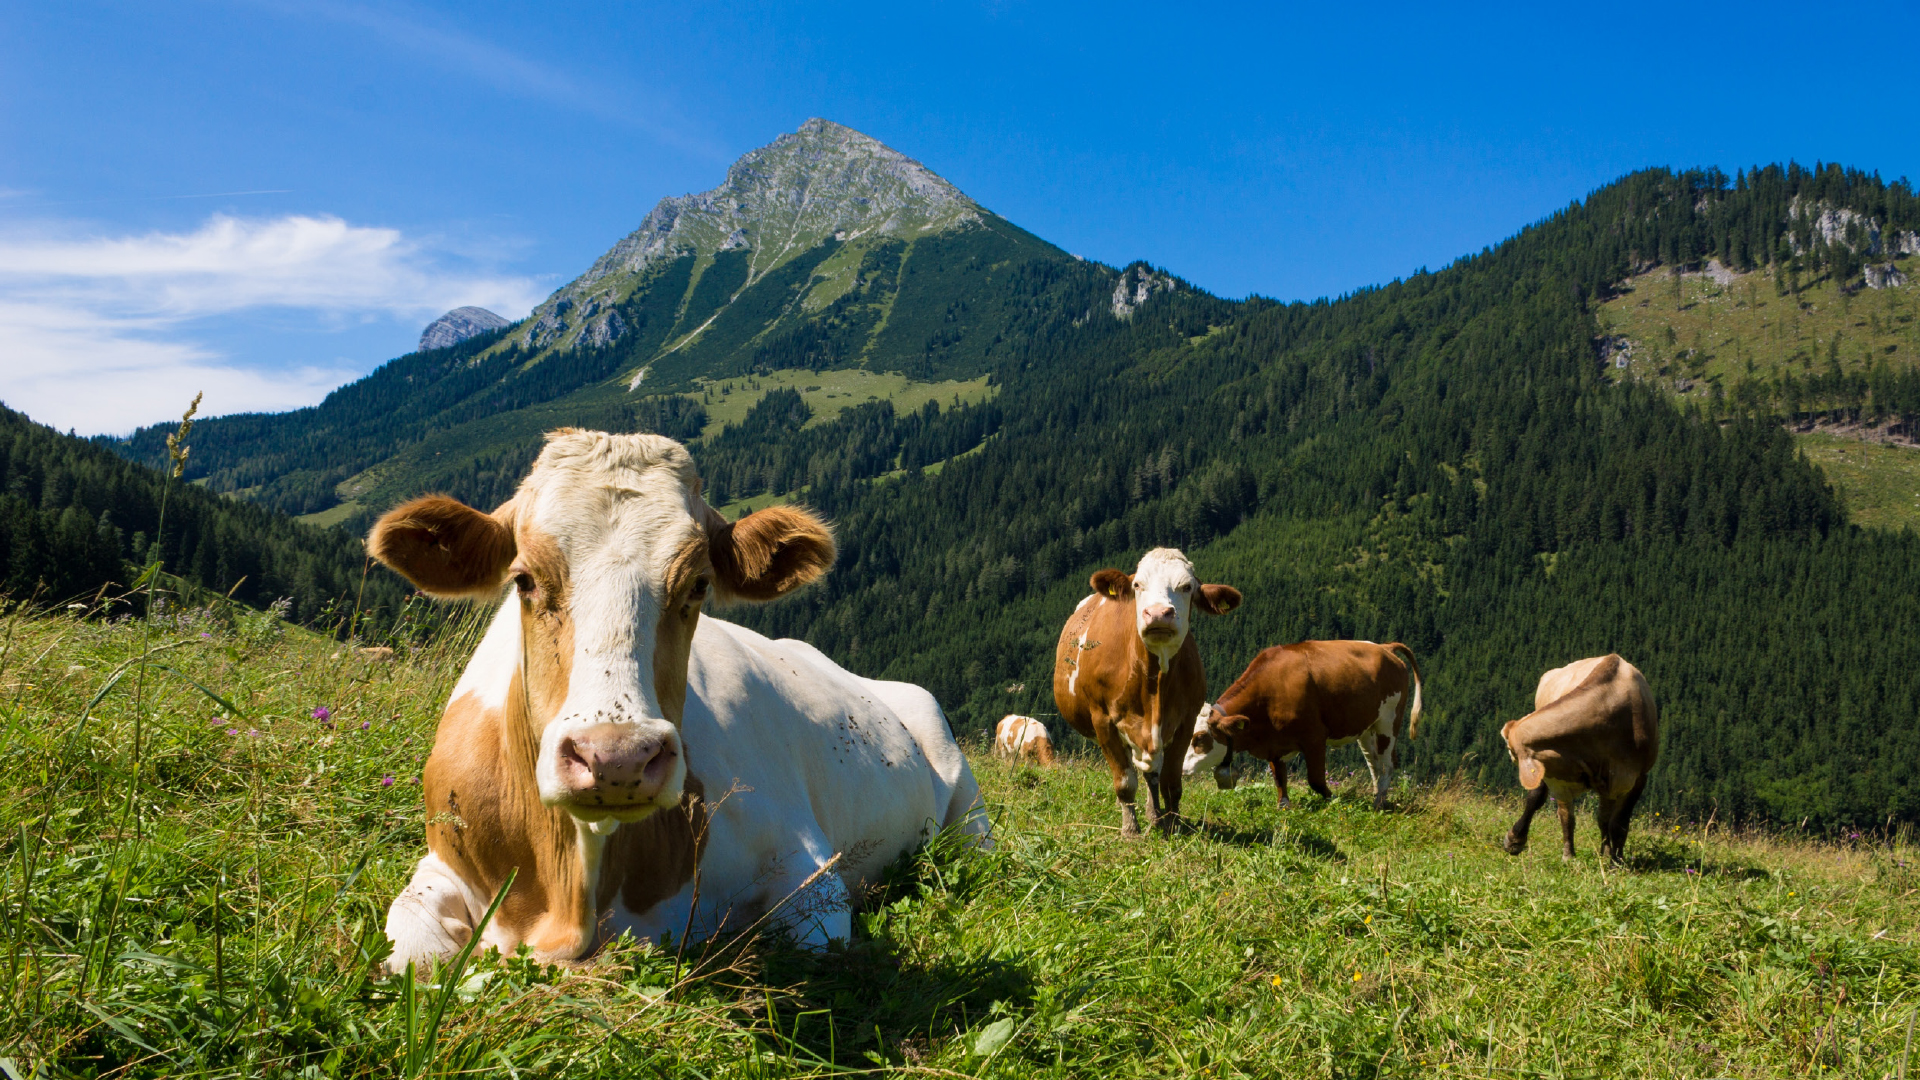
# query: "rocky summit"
x,y
823,182
457,326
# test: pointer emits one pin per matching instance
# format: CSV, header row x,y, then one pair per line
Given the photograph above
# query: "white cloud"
x,y
97,333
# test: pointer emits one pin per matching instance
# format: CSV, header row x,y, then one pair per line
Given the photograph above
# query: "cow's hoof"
x,y
1286,804
1514,846
1129,832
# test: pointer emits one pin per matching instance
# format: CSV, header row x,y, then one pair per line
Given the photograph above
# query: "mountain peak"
x,y
457,326
823,182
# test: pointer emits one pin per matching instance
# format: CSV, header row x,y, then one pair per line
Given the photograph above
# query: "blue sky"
x,y
265,199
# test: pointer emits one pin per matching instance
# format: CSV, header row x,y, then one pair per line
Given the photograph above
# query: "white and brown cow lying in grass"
x,y
1127,675
1594,727
1019,737
606,739
1306,697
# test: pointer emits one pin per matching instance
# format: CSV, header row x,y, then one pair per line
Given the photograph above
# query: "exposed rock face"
x,y
822,182
1833,226
1136,286
457,326
1884,277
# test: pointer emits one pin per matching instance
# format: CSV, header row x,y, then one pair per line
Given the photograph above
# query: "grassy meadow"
x,y
203,822
830,393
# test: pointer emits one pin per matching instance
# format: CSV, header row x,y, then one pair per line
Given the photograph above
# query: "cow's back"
x,y
800,758
1338,684
1604,723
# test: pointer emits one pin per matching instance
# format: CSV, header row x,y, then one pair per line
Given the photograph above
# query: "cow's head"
x,y
1532,773
1164,593
610,553
1210,749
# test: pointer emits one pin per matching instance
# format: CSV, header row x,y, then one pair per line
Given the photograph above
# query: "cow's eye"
x,y
1187,587
1136,586
524,582
699,590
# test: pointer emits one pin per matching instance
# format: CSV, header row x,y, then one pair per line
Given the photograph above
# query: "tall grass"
x,y
229,923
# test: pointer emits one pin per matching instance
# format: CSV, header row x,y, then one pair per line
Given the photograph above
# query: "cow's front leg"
x,y
1154,809
1126,779
1316,755
1171,787
1279,767
1517,836
431,918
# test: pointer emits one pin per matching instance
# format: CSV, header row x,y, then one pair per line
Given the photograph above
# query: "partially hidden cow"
x,y
1019,737
607,740
1127,675
1309,696
1594,727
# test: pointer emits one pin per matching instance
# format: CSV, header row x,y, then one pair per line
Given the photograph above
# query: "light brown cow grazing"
x,y
1127,675
1594,727
1308,696
1022,736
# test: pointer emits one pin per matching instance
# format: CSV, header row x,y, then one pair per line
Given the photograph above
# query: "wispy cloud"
x,y
97,332
613,99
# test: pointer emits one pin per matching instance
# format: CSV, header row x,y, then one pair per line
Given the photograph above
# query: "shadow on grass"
x,y
1662,860
1307,843
844,1005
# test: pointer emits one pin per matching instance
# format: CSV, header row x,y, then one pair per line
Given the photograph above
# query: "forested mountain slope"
x,y
1440,461
75,517
824,251
1447,461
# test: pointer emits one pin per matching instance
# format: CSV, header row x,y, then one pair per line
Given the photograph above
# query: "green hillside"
x,y
1831,359
79,524
1451,460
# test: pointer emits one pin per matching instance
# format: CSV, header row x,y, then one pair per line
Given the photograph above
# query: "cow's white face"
x,y
1208,751
612,535
611,553
1163,588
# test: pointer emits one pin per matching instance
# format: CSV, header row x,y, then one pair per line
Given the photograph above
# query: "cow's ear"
x,y
1111,583
1231,727
768,553
1217,599
447,549
1531,773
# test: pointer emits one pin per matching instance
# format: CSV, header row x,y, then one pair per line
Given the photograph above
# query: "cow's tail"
x,y
1413,672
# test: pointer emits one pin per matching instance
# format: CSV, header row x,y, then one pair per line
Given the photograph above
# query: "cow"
x,y
1594,727
1017,737
608,742
1306,697
1127,675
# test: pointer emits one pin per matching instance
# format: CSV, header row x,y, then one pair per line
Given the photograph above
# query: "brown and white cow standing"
x,y
1594,727
1127,675
607,740
1018,737
1306,697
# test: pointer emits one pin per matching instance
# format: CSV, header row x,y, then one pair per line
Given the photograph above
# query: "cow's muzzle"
x,y
615,769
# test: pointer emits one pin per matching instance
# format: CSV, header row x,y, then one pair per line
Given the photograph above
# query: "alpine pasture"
x,y
205,818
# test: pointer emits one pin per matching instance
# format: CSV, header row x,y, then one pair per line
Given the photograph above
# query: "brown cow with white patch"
x,y
1019,737
607,739
1306,697
1594,727
1127,675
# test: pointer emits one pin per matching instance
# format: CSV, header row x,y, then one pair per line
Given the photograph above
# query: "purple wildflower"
x,y
252,734
363,725
233,731
204,634
322,713
1691,870
386,781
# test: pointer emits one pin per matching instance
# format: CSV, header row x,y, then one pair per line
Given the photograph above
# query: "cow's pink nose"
x,y
614,765
1159,617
